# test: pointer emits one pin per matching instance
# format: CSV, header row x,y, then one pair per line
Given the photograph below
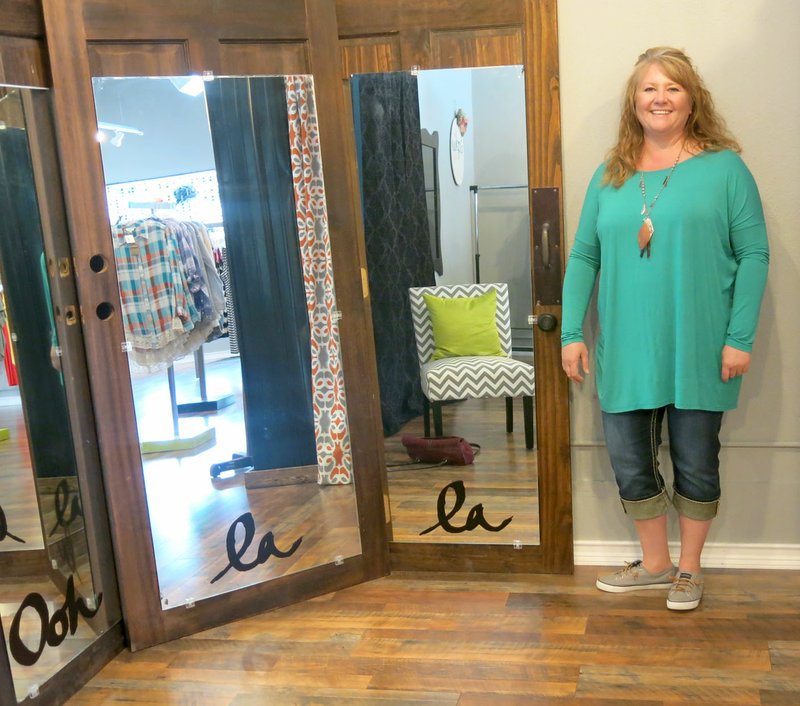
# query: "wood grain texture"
x,y
23,62
140,58
156,19
481,47
552,393
370,55
21,18
243,57
485,640
356,17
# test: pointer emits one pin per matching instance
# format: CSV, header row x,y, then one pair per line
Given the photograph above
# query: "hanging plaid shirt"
x,y
155,307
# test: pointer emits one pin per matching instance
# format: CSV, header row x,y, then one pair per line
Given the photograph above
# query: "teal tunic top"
x,y
665,319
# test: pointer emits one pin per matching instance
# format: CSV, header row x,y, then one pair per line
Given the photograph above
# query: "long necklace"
x,y
647,229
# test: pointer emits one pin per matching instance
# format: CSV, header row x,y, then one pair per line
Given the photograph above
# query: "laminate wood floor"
x,y
457,640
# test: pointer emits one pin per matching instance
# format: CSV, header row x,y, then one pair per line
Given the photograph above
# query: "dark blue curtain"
x,y
250,133
389,149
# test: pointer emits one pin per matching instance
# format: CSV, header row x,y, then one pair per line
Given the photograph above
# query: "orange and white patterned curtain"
x,y
334,455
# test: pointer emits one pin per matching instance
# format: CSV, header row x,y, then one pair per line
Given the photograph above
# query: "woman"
x,y
673,223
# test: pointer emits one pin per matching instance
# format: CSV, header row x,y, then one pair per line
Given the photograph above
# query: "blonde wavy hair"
x,y
705,128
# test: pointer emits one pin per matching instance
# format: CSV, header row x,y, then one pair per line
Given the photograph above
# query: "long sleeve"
x,y
750,248
582,268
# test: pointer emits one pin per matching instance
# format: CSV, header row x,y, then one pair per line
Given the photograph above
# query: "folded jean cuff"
x,y
695,509
647,509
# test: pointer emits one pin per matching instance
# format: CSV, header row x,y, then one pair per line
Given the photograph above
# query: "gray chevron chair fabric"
x,y
470,377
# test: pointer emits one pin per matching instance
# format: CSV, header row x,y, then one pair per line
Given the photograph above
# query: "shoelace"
x,y
630,567
683,582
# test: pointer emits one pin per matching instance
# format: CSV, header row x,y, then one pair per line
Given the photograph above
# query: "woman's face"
x,y
662,106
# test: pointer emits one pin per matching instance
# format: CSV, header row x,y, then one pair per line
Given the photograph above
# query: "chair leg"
x,y
426,416
509,414
437,418
527,408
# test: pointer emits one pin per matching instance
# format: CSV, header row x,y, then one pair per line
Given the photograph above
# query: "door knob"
x,y
546,322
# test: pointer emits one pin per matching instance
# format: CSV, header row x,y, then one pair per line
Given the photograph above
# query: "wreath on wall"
x,y
462,121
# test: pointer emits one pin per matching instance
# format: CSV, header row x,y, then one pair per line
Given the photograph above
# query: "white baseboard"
x,y
715,555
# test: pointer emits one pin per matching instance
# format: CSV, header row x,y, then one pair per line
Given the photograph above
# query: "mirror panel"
x,y
217,211
51,605
480,183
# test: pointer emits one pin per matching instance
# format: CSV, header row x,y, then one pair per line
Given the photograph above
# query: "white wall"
x,y
501,158
441,94
749,56
494,101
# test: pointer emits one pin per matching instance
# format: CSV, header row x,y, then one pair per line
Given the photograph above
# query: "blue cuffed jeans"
x,y
633,440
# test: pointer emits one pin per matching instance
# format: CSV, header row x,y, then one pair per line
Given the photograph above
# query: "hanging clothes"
x,y
167,307
230,312
8,361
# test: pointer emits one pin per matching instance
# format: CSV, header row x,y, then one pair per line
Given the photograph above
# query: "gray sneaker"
x,y
634,577
686,591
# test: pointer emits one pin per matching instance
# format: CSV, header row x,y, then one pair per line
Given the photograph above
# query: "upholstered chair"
x,y
466,376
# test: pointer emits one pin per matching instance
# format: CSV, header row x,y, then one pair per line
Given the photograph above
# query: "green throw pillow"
x,y
464,325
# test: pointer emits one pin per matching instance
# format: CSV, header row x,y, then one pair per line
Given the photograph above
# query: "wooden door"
x,y
61,619
391,36
101,39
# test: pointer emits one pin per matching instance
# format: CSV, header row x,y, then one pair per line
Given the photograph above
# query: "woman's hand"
x,y
575,356
734,362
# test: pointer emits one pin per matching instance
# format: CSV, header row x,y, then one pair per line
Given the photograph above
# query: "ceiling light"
x,y
189,85
114,127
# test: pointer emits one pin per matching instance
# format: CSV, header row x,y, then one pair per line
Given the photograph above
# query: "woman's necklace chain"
x,y
647,229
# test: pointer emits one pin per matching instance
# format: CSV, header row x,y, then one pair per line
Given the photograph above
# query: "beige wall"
x,y
749,56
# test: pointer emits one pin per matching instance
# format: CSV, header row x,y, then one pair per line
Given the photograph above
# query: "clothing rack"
x,y
473,194
203,406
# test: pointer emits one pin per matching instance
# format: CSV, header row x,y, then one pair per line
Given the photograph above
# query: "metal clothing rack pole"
x,y
173,400
177,442
473,192
205,405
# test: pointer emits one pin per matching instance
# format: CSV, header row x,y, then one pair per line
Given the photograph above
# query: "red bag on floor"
x,y
454,450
